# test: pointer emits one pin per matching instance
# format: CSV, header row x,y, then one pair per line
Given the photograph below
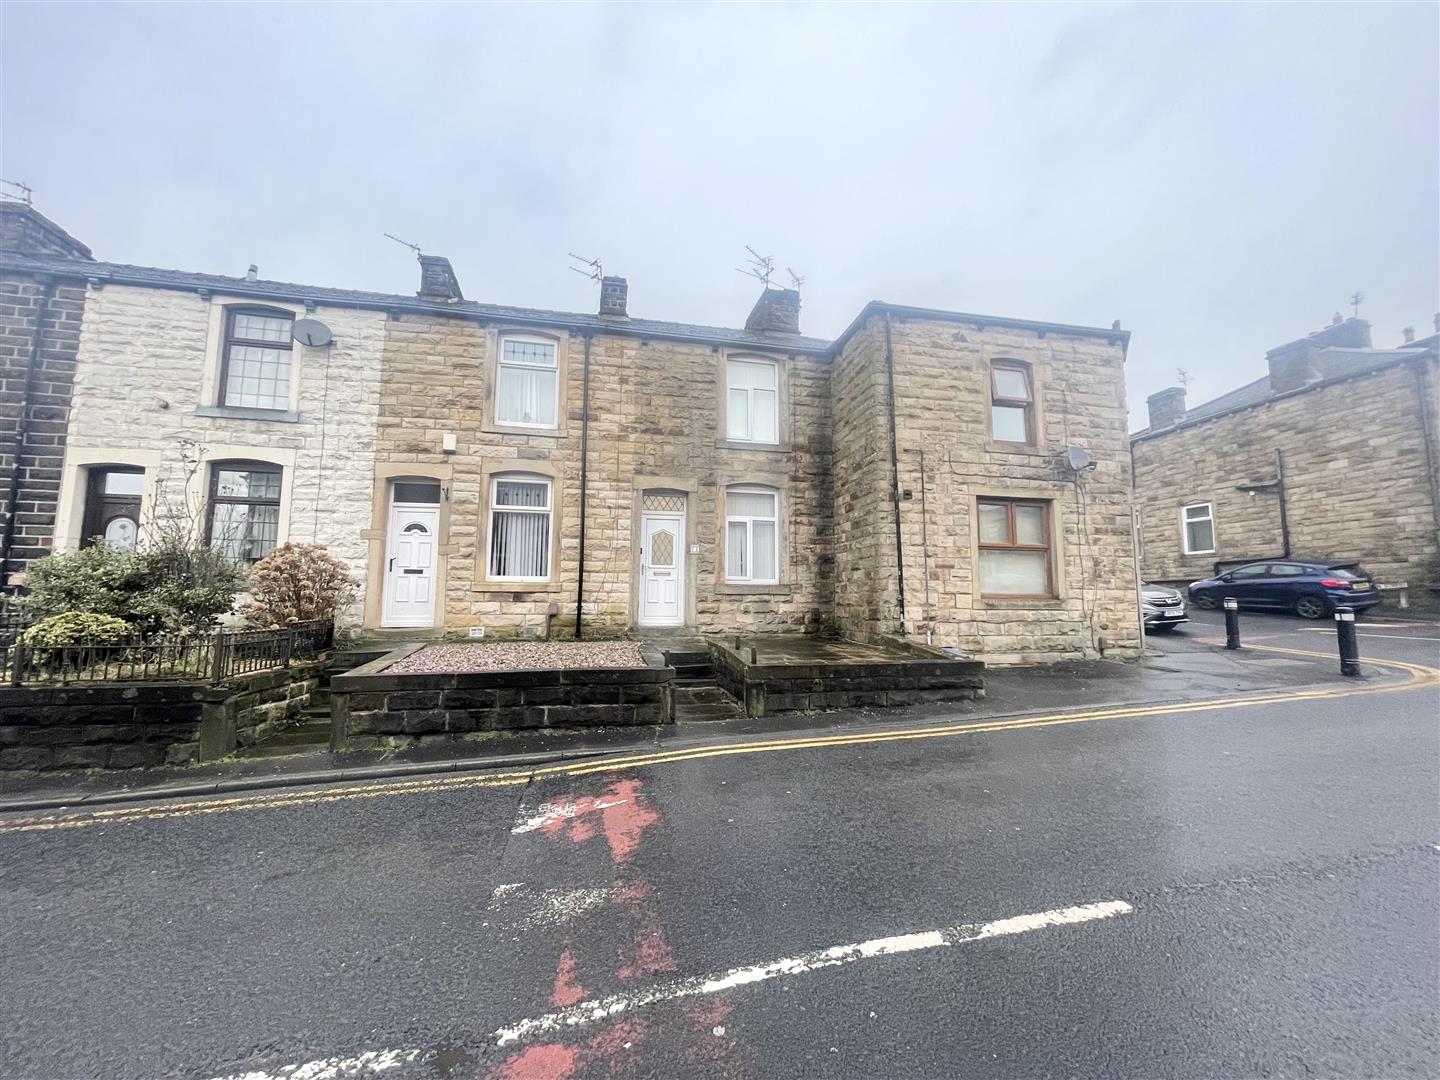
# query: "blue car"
x,y
1309,589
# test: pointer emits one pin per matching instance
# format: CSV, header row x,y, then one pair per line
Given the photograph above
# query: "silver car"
x,y
1161,608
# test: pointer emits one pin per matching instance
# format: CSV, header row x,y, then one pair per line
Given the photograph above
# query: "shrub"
x,y
77,628
189,584
297,581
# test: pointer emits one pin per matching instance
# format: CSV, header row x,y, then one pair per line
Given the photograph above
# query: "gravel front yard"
x,y
519,655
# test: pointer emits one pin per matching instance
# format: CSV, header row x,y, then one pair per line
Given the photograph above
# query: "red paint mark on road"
x,y
630,893
652,955
710,1013
547,1061
626,819
567,987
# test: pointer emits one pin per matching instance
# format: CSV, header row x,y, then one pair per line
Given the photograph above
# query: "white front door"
x,y
662,570
410,566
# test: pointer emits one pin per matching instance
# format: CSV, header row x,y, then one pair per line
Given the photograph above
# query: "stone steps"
x,y
704,701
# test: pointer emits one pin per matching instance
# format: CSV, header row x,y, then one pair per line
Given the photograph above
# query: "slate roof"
x,y
1332,364
154,277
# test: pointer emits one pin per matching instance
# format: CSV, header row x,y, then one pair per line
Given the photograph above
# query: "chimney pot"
x,y
1336,319
438,280
777,311
252,273
1437,322
614,297
1408,334
1167,407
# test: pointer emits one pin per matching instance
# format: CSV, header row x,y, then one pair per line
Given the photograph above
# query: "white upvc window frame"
x,y
548,510
1186,521
750,392
749,520
553,367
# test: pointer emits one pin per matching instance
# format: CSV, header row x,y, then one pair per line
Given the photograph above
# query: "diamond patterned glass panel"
x,y
665,501
662,549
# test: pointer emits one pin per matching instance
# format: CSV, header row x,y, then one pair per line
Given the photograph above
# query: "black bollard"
x,y
1348,642
1232,623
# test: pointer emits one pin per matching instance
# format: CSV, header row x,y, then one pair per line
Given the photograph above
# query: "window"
x,y
1197,524
752,536
1287,570
1015,548
520,528
416,492
526,382
256,369
244,509
112,507
1012,403
752,401
1254,570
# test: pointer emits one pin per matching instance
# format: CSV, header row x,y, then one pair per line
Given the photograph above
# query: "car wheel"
x,y
1312,607
1206,601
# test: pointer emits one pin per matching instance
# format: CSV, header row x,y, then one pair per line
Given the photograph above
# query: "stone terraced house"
x,y
533,472
1333,454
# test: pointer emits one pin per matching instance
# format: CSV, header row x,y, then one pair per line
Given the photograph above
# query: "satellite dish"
x,y
312,332
1077,458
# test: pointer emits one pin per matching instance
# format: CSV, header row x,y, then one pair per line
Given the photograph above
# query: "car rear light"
x,y
1334,583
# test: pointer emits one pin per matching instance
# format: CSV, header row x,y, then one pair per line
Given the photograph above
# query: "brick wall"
x,y
140,378
40,321
1359,480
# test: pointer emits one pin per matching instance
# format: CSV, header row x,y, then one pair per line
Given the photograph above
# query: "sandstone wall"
x,y
1359,481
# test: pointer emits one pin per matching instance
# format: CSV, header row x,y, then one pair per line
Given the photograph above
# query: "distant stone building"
x,y
526,471
1333,454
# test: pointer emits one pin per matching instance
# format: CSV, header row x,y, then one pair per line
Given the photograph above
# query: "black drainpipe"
x,y
895,473
1280,491
22,428
584,479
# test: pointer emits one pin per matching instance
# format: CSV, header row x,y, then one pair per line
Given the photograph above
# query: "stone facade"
x,y
144,395
942,399
1359,454
40,320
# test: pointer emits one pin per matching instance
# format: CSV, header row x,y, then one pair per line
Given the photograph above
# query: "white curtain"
x,y
736,564
763,546
520,538
1014,573
526,396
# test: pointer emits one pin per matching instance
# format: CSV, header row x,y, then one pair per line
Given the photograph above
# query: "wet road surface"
x,y
1241,892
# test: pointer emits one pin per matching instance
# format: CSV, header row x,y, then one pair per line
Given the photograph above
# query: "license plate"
x,y
1174,614
1354,585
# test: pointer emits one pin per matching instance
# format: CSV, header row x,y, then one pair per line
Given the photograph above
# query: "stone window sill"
x,y
517,588
538,432
764,448
1040,603
1024,449
235,412
732,588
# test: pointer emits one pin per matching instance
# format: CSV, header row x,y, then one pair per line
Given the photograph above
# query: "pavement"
x,y
1238,887
1182,665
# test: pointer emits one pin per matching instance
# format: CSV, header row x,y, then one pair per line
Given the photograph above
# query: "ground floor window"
x,y
752,535
245,509
1015,556
1197,524
112,506
520,513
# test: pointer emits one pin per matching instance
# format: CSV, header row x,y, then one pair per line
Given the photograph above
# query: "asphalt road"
x,y
1268,876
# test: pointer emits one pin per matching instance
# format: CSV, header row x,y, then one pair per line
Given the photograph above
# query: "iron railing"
x,y
13,620
213,658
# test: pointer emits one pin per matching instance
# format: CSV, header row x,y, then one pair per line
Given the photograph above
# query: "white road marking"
x,y
377,1061
602,1008
1366,633
550,813
549,907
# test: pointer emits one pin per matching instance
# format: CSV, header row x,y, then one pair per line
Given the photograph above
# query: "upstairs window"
x,y
1197,529
1015,549
1012,403
244,509
520,512
752,536
752,400
258,349
527,381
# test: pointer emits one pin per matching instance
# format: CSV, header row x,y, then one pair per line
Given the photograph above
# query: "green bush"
x,y
170,586
77,628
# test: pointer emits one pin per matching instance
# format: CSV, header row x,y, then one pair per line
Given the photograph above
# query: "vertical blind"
x,y
520,529
751,536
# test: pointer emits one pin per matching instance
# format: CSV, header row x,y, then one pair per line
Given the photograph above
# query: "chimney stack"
x,y
614,295
777,312
1167,408
438,280
1292,364
26,231
1408,334
252,273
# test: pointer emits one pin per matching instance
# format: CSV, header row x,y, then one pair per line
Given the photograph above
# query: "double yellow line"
x,y
1417,676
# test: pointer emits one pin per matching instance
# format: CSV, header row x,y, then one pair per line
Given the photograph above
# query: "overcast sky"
x,y
1219,178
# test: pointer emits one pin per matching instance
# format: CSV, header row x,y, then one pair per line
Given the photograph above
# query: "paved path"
x,y
1177,891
